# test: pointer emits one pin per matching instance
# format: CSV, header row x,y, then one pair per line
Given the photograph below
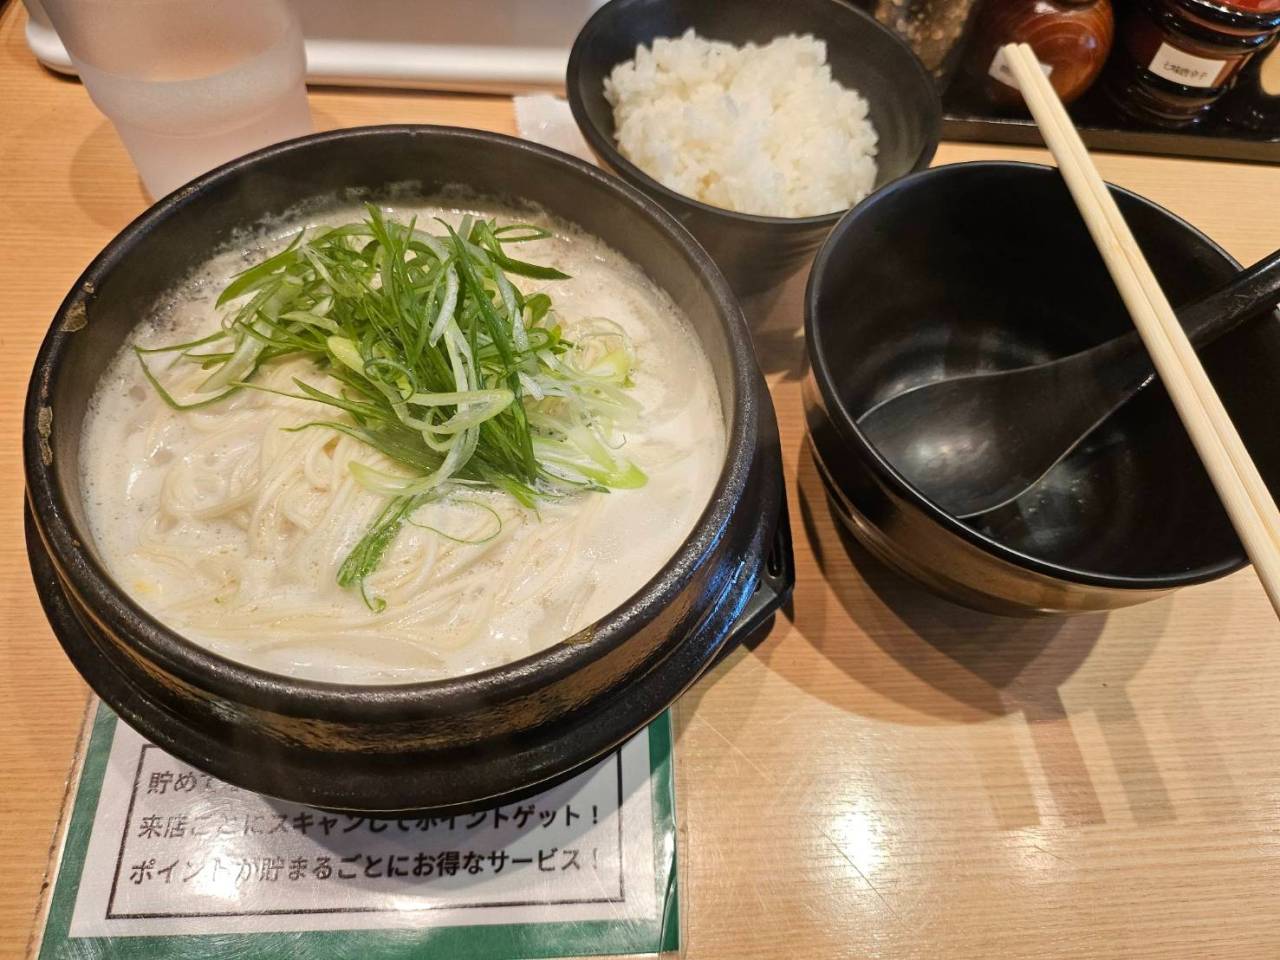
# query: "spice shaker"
x,y
1071,38
1176,58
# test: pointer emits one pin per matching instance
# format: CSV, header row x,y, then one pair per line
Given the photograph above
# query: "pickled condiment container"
x,y
1071,38
1176,58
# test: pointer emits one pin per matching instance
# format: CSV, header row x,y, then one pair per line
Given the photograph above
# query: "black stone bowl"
x,y
441,745
984,266
757,253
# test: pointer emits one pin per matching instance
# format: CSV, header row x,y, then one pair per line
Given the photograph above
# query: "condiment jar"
x,y
1071,39
1254,100
1176,58
934,29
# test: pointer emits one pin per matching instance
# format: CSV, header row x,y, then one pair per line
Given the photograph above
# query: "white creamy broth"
x,y
231,529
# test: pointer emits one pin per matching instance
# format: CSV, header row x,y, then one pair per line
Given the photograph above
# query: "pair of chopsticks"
x,y
1248,503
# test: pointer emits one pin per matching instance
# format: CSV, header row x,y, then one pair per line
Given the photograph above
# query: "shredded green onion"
x,y
445,366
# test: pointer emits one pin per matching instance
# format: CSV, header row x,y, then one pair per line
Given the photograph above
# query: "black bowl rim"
x,y
846,424
279,693
603,145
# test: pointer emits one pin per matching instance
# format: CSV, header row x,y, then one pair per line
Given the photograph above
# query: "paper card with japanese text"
x,y
162,860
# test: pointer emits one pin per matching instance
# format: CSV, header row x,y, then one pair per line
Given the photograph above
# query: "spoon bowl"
x,y
977,442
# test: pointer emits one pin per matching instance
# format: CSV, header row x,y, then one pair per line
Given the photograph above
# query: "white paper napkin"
x,y
547,120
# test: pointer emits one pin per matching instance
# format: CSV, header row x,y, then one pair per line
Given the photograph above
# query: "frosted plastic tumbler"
x,y
188,84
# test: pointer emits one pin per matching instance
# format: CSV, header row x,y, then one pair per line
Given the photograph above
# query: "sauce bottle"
x,y
1176,58
1071,39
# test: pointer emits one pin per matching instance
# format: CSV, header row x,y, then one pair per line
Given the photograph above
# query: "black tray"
x,y
1102,127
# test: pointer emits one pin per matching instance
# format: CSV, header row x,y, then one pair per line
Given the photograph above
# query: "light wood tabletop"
x,y
884,775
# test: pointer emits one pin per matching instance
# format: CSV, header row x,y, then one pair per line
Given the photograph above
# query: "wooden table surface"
x,y
884,775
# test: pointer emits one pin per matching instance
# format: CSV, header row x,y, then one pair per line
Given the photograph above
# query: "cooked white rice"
x,y
756,129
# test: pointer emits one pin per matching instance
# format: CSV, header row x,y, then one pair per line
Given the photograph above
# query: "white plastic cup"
x,y
188,84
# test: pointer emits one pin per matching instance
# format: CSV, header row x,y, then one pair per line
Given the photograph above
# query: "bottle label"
x,y
1000,70
1186,68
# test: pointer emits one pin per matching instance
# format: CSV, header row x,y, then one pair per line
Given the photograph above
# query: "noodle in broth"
x,y
230,528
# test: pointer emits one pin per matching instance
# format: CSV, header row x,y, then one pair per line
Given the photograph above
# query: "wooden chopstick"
x,y
1234,475
1182,346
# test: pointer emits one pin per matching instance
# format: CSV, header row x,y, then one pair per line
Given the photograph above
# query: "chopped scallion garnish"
x,y
445,366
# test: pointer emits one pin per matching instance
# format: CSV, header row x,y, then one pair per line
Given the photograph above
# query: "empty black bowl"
x,y
987,266
436,745
757,252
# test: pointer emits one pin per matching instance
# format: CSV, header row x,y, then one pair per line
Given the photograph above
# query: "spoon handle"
x,y
1123,365
1250,293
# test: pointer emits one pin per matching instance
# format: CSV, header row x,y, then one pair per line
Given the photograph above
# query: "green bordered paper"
x,y
163,861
